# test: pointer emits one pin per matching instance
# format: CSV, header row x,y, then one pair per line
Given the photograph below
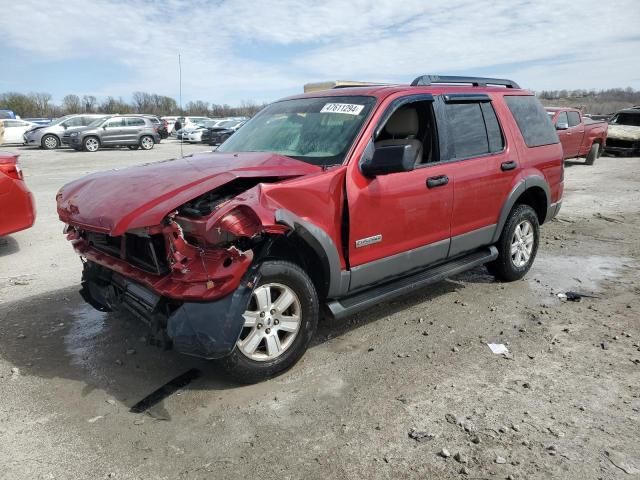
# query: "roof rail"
x,y
475,81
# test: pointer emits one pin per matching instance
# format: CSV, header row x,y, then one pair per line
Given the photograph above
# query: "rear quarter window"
x,y
135,122
532,120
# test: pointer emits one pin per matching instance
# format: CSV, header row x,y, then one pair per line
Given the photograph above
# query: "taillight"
x,y
9,166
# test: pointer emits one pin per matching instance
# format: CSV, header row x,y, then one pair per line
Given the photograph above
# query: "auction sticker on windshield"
x,y
348,108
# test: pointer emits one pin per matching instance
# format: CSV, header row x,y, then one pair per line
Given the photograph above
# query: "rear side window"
x,y
532,120
135,122
474,129
574,119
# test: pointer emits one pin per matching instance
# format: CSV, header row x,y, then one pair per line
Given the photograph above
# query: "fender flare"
x,y
323,246
522,186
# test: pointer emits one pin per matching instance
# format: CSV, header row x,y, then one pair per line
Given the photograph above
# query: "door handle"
x,y
510,165
438,181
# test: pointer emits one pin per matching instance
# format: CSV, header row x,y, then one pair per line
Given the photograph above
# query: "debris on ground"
x,y
420,436
444,453
498,348
574,296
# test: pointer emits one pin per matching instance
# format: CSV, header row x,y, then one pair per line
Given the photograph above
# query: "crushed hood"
x,y
118,200
623,132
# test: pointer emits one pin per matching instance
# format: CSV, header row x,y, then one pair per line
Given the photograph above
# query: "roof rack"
x,y
475,81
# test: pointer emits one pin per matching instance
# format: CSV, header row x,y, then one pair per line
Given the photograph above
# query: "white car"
x,y
171,123
15,129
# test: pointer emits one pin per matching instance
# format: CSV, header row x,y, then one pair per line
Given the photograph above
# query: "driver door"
x,y
401,221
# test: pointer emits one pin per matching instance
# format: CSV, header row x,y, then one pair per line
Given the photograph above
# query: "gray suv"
x,y
114,131
49,136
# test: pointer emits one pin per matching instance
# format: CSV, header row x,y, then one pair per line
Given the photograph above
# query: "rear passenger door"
x,y
483,166
133,129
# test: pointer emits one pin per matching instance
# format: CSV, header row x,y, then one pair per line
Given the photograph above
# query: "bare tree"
x,y
89,103
71,104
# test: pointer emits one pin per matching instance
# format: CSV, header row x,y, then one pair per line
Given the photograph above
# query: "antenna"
x,y
180,99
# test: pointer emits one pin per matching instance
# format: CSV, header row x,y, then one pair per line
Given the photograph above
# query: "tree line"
x,y
591,101
41,105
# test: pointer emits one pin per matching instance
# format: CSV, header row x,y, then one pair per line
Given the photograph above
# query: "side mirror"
x,y
104,127
562,126
64,126
389,159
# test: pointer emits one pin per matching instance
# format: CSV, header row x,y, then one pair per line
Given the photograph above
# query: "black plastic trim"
x,y
466,97
323,245
427,80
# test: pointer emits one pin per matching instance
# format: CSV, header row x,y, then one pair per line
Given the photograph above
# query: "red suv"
x,y
339,199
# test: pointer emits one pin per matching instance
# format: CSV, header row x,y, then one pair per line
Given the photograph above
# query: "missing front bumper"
x,y
207,330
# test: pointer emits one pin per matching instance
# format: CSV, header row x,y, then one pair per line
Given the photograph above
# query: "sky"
x,y
260,50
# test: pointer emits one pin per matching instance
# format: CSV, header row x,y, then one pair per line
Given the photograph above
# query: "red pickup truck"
x,y
339,199
580,136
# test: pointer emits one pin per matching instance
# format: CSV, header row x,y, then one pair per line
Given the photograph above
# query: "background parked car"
x,y
7,114
219,134
171,122
114,131
49,136
624,132
580,136
194,134
158,123
39,121
14,192
14,130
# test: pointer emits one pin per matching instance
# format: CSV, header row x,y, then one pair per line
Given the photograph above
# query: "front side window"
x,y
532,120
318,130
115,123
562,119
574,118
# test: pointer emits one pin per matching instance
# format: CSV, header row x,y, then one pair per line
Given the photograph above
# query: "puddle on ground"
x,y
87,324
570,273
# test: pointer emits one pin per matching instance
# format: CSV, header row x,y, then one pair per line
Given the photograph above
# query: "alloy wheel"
x,y
91,144
271,322
522,244
146,143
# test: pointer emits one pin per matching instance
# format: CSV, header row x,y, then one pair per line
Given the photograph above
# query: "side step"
x,y
362,300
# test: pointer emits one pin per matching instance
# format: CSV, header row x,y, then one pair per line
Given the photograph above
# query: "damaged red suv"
x,y
333,200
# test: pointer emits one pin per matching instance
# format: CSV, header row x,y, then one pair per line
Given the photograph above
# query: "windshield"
x,y
627,119
316,130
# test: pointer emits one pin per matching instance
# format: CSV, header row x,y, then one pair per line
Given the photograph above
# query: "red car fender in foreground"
x,y
17,206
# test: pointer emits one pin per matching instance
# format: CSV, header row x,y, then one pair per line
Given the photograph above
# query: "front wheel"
x,y
593,154
91,144
279,322
146,142
50,142
517,246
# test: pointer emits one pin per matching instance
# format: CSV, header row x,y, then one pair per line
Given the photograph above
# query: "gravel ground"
x,y
409,389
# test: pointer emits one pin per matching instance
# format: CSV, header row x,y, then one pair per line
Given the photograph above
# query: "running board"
x,y
362,300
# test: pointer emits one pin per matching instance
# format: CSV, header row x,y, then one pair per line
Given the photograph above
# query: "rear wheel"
x,y
517,246
146,142
50,142
593,154
91,144
279,322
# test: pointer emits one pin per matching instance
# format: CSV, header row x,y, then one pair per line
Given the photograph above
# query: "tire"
x,y
134,147
50,142
509,267
91,144
146,142
593,154
265,347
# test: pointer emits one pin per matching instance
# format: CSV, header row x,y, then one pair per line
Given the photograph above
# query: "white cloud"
x,y
307,40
